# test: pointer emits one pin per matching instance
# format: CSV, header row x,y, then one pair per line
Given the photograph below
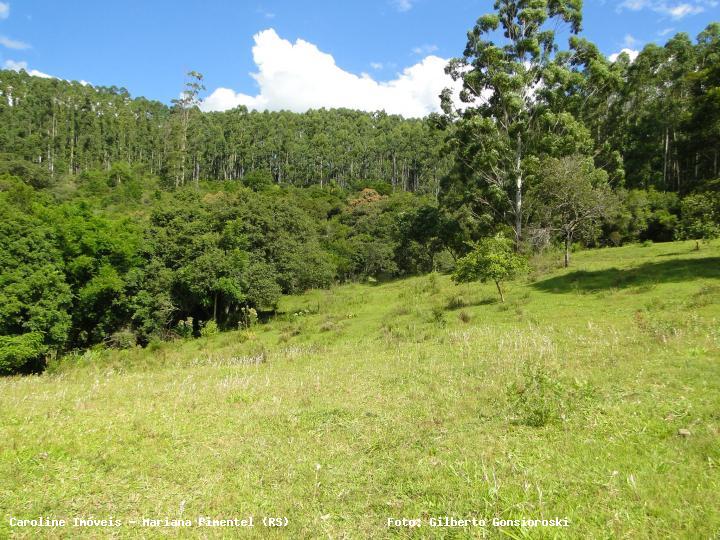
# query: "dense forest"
x,y
126,220
70,128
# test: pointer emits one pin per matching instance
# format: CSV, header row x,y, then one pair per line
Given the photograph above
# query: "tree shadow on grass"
x,y
649,273
487,301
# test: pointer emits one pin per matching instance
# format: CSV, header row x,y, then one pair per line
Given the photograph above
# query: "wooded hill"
x,y
126,220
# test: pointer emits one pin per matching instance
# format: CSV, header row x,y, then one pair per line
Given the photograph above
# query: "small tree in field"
x,y
490,259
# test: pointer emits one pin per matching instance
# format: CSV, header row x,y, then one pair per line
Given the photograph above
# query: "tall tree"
x,y
503,111
188,101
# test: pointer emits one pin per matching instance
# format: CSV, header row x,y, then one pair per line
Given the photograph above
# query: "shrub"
x,y
700,216
328,326
248,317
210,328
437,315
124,338
258,179
537,399
16,352
185,328
456,301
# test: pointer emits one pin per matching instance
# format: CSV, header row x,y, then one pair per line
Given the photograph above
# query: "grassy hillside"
x,y
416,398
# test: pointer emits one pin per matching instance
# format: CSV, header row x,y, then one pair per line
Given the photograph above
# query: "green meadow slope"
x,y
592,394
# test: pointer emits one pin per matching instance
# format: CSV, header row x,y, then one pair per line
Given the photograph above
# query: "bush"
x,y
700,216
184,328
210,328
456,301
122,339
248,317
437,315
646,215
31,173
537,399
258,179
17,352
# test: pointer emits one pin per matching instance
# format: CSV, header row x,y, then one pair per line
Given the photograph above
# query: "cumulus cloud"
x,y
18,66
298,76
376,65
13,43
4,10
632,53
670,9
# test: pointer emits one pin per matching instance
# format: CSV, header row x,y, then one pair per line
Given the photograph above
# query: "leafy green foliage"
x,y
16,352
538,398
490,259
572,198
700,216
507,120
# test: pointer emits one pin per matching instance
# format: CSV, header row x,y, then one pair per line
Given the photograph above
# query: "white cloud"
x,y
17,66
629,41
632,53
403,5
681,10
634,5
265,13
13,43
376,65
298,76
665,31
673,10
22,65
4,10
424,49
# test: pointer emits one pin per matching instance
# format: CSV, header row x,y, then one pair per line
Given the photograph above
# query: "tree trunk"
x,y
518,194
568,243
500,291
665,158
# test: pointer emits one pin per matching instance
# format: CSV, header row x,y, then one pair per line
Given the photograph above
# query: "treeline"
x,y
654,121
70,128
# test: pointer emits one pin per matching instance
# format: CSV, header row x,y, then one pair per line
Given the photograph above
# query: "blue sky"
x,y
146,46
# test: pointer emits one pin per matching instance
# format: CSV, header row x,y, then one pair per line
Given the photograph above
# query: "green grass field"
x,y
416,398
